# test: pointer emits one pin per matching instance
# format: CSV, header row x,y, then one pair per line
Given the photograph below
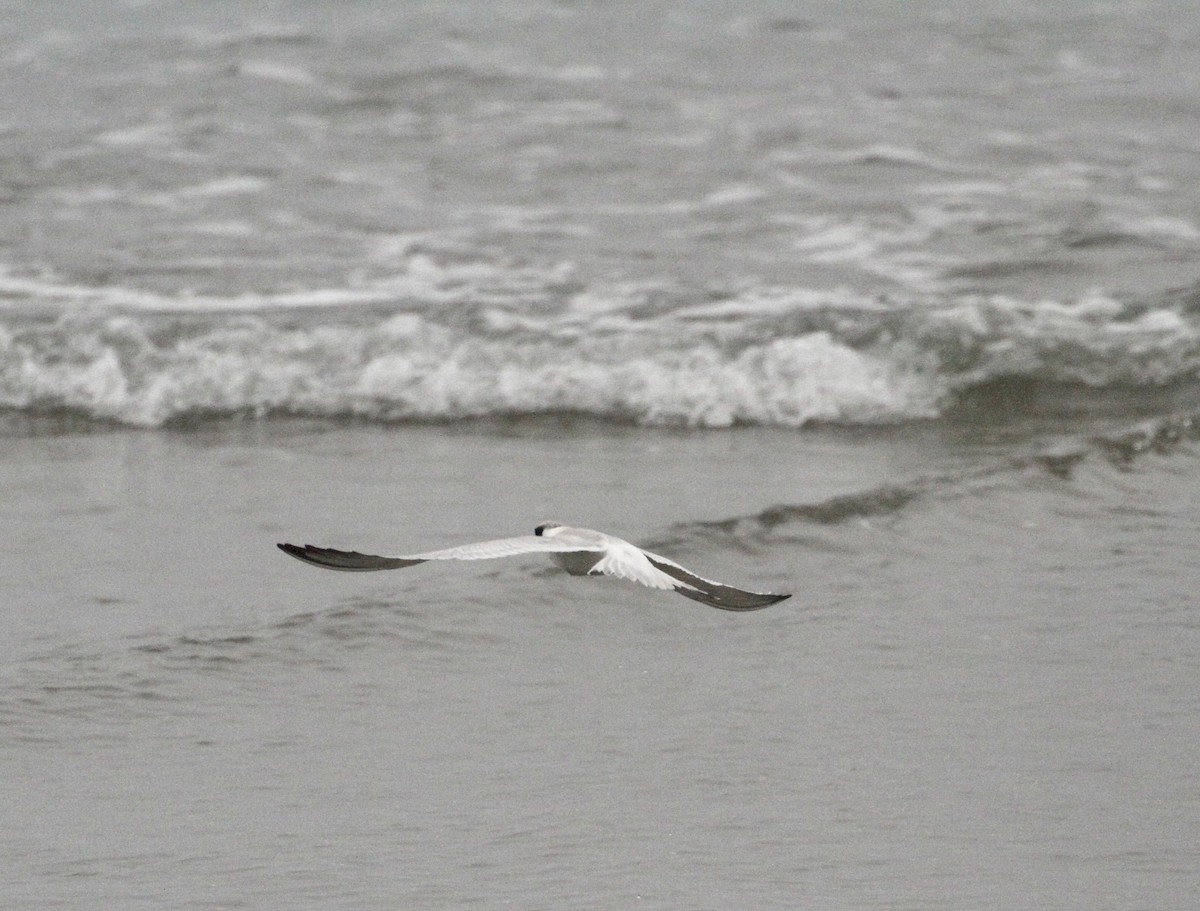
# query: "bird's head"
x,y
547,529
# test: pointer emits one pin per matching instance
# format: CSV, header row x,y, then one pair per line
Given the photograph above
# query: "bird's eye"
x,y
538,531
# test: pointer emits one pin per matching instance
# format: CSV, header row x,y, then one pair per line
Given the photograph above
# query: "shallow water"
x,y
983,689
687,214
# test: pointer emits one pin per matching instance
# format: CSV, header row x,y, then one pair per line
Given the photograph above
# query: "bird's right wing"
x,y
353,561
346,560
714,594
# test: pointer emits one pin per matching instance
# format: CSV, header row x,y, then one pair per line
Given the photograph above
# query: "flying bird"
x,y
580,551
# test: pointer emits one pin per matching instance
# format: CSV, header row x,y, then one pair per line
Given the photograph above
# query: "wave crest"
x,y
129,370
762,356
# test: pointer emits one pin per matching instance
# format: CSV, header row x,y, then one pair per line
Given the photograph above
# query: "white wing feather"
x,y
625,561
353,561
504,547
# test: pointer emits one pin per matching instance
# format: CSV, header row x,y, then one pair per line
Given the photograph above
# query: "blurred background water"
x,y
894,306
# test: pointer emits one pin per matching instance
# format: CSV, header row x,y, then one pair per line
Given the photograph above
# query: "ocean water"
x,y
892,306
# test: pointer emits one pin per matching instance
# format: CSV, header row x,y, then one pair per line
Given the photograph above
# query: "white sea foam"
x,y
1163,227
409,367
423,280
889,248
154,133
449,341
735,194
232,185
274,71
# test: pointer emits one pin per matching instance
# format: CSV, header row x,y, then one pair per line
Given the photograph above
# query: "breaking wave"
x,y
468,343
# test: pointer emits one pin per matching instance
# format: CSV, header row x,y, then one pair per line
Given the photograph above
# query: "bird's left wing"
x,y
714,594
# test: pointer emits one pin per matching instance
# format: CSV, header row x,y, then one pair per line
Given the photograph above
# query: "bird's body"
x,y
579,551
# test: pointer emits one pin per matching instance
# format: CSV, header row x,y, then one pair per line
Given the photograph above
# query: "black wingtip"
x,y
768,600
725,598
344,560
300,553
